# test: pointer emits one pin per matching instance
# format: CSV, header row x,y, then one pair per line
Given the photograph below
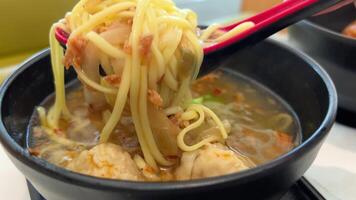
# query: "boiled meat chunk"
x,y
106,160
211,160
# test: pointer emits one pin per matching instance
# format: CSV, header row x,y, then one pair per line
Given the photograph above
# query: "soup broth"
x,y
262,125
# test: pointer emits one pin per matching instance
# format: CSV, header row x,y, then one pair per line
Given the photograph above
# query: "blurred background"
x,y
24,28
25,23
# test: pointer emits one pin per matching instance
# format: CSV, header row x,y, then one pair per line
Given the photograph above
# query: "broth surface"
x,y
263,126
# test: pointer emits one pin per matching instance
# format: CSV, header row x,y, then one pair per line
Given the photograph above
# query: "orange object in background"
x,y
255,6
350,30
258,5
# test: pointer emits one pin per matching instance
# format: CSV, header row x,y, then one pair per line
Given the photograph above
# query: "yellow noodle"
x,y
152,75
175,21
110,98
42,115
106,115
198,51
201,111
128,14
208,31
105,64
172,110
59,106
173,67
135,79
157,63
145,121
189,115
139,161
173,45
102,16
61,140
159,59
235,31
216,120
120,102
170,80
158,70
112,2
164,92
105,46
93,84
75,15
191,17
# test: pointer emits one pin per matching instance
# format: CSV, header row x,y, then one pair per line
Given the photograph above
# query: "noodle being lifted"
x,y
136,60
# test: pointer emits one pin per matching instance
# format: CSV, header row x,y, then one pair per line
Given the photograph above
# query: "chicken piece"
x,y
211,160
108,161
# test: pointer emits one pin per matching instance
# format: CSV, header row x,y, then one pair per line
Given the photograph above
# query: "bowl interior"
x,y
298,81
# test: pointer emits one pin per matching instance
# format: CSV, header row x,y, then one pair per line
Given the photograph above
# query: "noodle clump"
x,y
136,56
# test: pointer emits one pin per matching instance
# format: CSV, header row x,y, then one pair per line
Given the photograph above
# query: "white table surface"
x,y
333,173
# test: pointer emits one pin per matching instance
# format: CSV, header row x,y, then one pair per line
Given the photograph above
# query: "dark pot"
x,y
290,74
321,38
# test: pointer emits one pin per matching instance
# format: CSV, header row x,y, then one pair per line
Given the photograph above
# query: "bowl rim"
x,y
70,177
333,34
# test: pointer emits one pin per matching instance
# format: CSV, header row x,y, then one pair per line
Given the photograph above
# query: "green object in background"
x,y
24,26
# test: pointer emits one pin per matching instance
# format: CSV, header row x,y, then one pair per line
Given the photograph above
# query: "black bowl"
x,y
321,38
290,74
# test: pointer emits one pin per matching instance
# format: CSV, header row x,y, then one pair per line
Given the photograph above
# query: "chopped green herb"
x,y
207,98
198,100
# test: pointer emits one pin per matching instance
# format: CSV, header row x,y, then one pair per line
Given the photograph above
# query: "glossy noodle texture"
x,y
135,114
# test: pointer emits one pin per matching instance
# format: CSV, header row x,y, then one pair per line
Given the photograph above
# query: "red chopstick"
x,y
262,20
